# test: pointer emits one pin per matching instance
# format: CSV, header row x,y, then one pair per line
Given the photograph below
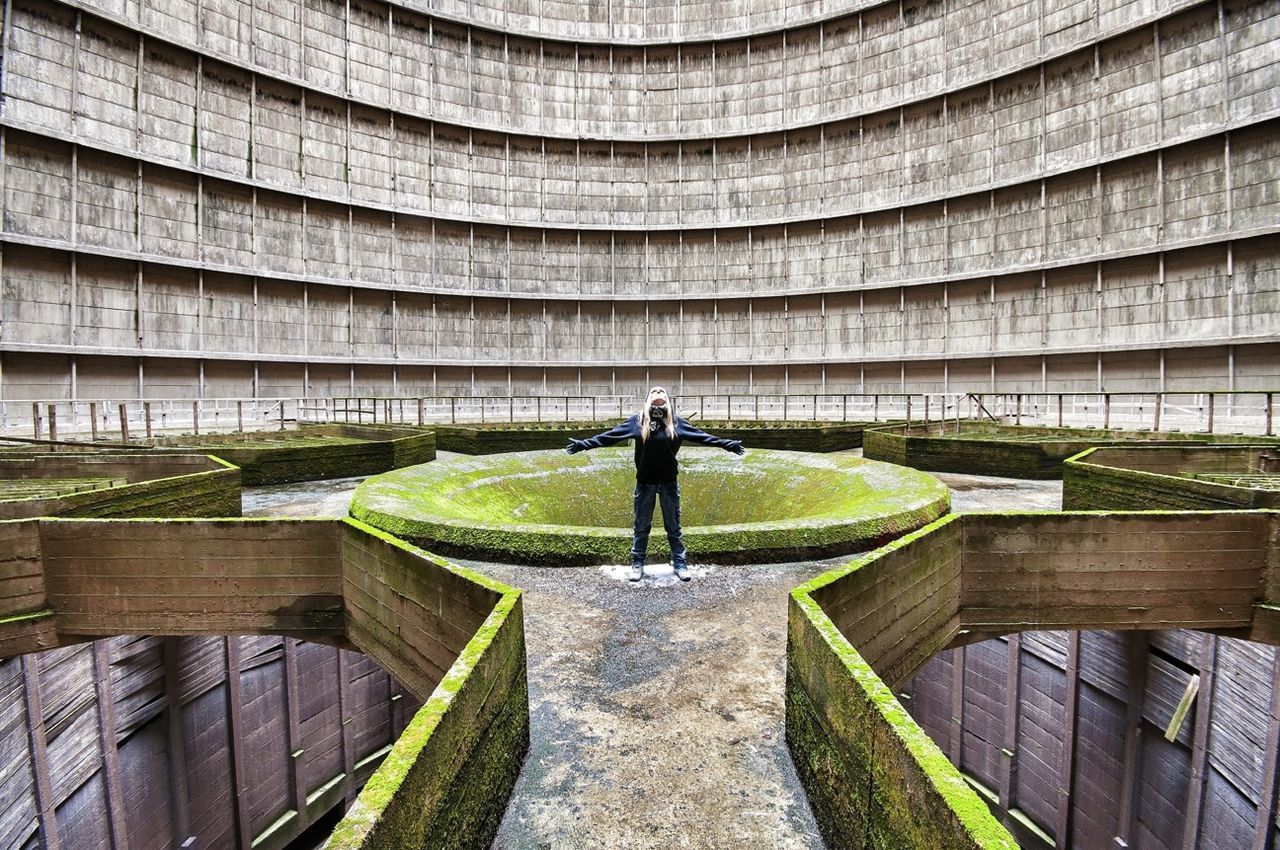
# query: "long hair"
x,y
646,421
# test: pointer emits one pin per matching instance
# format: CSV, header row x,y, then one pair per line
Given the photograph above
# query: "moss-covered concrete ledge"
x,y
857,633
129,485
551,509
314,452
798,435
1013,451
454,638
1172,478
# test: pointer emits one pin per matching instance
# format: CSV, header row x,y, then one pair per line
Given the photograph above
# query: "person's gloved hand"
x,y
736,447
574,447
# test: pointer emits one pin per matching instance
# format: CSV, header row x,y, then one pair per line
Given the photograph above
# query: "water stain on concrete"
x,y
307,499
983,493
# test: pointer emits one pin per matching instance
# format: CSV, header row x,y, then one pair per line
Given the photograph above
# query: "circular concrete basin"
x,y
552,509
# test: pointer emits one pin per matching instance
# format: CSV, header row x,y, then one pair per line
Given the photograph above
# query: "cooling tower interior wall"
x,y
237,199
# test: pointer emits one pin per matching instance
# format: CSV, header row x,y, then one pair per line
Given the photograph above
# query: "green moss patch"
x,y
872,775
1015,451
549,508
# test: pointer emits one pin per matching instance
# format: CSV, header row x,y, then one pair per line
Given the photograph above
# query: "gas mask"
x,y
658,411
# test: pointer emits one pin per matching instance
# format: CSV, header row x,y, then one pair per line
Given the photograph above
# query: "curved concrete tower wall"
x,y
240,197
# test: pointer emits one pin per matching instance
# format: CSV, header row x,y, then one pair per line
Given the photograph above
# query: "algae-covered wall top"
x,y
860,631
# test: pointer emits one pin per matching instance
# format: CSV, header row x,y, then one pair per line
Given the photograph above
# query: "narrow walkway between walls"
x,y
656,710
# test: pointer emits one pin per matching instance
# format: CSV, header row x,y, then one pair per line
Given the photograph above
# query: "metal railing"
x,y
132,420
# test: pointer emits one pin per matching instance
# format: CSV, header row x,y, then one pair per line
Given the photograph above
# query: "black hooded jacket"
x,y
656,456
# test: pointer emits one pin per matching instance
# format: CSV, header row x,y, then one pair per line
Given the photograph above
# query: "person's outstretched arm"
x,y
685,431
619,433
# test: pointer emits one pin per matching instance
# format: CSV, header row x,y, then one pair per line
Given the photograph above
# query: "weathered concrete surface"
x,y
984,493
656,712
834,250
314,498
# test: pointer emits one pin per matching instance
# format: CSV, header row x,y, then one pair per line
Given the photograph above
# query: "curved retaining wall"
x,y
799,436
857,633
1013,451
267,457
303,199
156,485
452,637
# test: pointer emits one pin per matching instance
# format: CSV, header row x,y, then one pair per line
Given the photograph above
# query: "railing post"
x,y
1017,410
875,408
566,408
785,415
815,407
593,409
844,408
36,430
1159,405
511,408
124,423
1269,406
1211,395
757,408
538,398
195,417
453,409
420,412
728,411
53,422
1106,411
282,415
239,414
146,417
93,421
1059,410
908,410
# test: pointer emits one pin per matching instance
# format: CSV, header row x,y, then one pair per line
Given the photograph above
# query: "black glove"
x,y
574,447
735,446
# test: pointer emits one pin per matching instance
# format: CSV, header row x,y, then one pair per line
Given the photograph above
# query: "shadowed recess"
x,y
547,508
454,638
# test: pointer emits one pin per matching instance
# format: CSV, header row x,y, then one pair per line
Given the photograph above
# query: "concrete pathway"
x,y
657,709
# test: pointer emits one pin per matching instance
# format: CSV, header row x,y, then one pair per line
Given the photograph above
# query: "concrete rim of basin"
x,y
547,508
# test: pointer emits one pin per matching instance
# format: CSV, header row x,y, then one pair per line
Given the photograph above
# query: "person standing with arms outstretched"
x,y
658,433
